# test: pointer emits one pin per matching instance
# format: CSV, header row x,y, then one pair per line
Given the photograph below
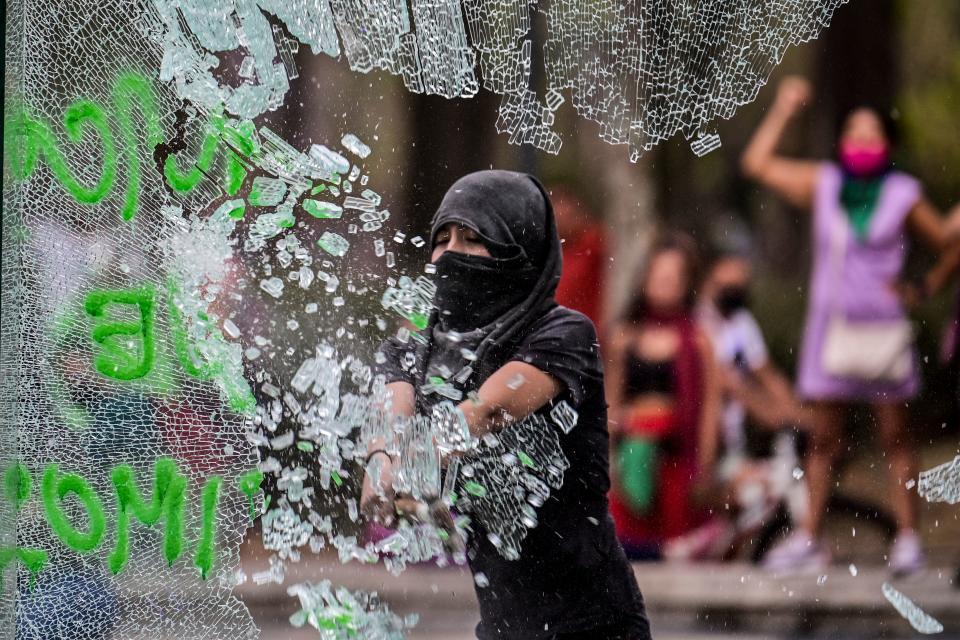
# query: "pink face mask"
x,y
864,160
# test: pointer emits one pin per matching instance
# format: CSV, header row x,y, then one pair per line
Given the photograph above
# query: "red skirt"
x,y
672,512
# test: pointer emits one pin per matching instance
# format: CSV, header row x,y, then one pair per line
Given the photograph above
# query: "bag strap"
x,y
837,255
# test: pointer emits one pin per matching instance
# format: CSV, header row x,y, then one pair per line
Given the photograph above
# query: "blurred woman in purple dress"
x,y
858,343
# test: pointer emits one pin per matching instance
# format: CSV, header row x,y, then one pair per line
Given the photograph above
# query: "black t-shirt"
x,y
572,574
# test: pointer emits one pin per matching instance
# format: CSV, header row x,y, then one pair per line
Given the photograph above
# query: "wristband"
x,y
375,452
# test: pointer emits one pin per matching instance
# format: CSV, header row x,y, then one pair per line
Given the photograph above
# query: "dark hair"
x,y
717,256
891,129
668,241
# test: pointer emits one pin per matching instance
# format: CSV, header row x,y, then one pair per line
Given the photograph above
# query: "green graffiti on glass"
x,y
187,181
249,485
128,349
28,138
208,526
129,91
166,504
17,487
114,337
54,488
240,141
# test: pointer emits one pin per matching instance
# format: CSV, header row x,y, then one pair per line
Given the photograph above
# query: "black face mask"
x,y
473,291
731,299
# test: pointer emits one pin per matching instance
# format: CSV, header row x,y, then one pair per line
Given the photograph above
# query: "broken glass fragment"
x,y
564,416
273,286
917,617
334,244
266,192
942,483
322,209
355,146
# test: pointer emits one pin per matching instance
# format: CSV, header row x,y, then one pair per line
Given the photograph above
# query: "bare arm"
x,y
709,427
500,401
924,223
927,226
618,339
941,273
768,399
953,223
794,180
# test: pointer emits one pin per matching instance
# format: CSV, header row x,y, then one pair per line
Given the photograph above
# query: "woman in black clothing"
x,y
534,370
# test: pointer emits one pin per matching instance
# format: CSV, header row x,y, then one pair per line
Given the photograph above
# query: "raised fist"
x,y
793,94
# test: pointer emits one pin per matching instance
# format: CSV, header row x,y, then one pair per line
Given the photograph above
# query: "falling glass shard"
x,y
322,209
411,299
942,483
501,491
917,617
706,143
273,286
644,72
330,160
334,244
266,192
564,416
353,144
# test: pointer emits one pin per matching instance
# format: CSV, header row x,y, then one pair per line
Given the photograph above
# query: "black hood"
x,y
512,214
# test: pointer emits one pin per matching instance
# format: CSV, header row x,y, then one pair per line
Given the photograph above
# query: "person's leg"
x,y
802,549
906,554
825,446
898,449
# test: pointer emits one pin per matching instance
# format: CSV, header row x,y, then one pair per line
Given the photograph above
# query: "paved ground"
x,y
685,601
690,602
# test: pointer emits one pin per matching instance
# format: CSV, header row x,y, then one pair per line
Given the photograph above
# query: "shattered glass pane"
x,y
155,264
508,477
643,71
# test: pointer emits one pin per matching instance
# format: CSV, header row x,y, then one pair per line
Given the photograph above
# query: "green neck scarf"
x,y
859,199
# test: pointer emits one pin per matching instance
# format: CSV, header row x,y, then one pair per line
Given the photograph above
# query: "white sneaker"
x,y
906,554
798,553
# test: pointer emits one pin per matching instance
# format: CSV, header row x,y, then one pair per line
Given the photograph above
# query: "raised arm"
x,y
513,392
793,180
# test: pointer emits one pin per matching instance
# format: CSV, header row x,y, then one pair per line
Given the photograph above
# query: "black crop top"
x,y
647,376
